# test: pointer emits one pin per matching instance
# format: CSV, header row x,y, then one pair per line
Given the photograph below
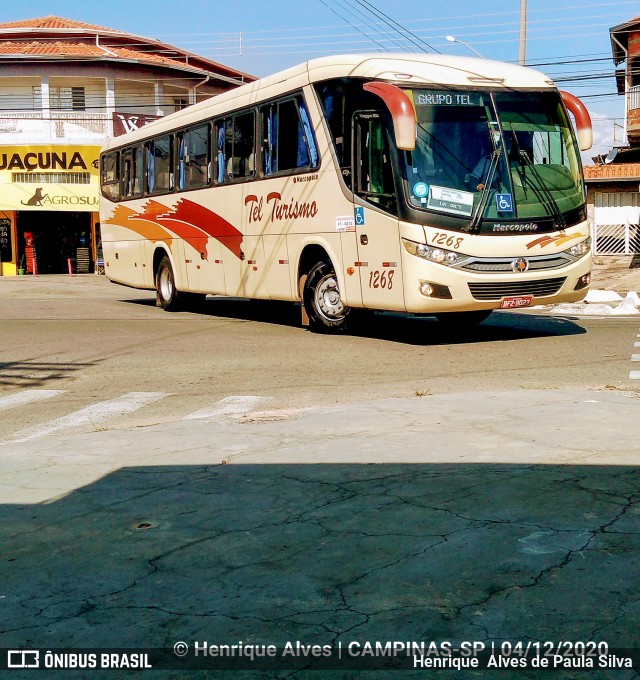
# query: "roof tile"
x,y
75,49
53,22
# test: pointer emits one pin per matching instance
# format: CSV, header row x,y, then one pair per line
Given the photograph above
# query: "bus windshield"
x,y
493,156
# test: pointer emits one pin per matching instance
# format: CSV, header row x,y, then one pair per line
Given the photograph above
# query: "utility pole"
x,y
522,54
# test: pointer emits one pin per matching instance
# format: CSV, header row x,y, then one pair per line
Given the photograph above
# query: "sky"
x,y
261,37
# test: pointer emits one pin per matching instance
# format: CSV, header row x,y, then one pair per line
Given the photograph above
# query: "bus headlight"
x,y
581,248
439,255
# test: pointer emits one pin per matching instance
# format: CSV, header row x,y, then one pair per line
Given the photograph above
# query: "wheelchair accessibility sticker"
x,y
359,211
420,189
504,202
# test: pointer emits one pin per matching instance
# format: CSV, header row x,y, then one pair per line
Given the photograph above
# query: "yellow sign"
x,y
50,178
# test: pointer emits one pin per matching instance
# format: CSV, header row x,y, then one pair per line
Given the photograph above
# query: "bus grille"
x,y
496,291
505,265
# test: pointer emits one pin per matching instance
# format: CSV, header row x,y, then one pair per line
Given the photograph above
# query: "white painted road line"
x,y
91,415
635,357
634,375
26,397
229,406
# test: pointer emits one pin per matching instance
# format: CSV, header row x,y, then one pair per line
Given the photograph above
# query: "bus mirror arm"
x,y
402,112
583,119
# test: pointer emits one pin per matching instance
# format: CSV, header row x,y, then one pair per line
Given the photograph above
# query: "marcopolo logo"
x,y
41,200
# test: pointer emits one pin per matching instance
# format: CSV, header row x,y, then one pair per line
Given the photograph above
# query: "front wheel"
x,y
461,320
326,311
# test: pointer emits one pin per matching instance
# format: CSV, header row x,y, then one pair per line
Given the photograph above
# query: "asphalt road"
x,y
92,341
476,487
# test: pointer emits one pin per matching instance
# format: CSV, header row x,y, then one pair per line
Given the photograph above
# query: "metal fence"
x,y
59,125
617,223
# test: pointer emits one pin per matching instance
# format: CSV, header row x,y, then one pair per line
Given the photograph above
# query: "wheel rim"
x,y
166,284
328,300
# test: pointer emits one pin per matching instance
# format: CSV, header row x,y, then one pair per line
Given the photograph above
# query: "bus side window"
x,y
183,159
269,127
307,149
199,157
127,173
150,171
138,178
287,137
288,125
236,144
109,176
132,172
160,165
193,158
219,157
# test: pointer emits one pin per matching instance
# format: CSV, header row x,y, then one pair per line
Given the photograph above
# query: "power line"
x,y
394,24
331,9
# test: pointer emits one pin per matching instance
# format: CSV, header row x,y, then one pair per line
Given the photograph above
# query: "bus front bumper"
x,y
431,288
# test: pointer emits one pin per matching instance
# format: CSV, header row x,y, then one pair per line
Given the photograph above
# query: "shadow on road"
x,y
390,326
30,373
147,556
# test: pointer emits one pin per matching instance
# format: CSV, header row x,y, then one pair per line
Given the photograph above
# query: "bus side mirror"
x,y
584,129
402,112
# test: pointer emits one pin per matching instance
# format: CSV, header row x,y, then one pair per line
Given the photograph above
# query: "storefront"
x,y
49,200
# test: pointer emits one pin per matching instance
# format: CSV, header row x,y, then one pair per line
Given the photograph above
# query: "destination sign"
x,y
440,98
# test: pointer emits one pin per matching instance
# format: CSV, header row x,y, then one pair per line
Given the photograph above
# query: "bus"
x,y
413,183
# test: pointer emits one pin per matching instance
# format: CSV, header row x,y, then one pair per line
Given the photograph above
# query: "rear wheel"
x,y
326,311
460,320
166,286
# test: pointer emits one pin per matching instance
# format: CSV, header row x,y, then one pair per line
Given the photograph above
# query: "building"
x,y
613,183
66,87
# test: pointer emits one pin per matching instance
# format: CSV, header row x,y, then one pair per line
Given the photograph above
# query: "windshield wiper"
x,y
547,199
484,196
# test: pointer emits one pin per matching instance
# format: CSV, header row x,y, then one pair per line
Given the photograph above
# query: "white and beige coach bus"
x,y
415,183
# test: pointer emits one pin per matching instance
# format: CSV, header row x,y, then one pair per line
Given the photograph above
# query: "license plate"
x,y
516,302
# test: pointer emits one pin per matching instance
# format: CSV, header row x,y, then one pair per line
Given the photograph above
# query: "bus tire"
x,y
461,320
325,309
166,286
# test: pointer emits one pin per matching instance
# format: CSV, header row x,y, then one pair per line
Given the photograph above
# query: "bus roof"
x,y
407,69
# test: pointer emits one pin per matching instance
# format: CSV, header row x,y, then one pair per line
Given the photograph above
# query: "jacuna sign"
x,y
49,178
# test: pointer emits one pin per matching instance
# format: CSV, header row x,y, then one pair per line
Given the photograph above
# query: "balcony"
x,y
20,127
633,115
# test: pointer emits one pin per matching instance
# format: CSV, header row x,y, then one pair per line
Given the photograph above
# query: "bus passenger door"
x,y
376,221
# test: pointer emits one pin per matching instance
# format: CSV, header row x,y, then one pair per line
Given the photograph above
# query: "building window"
x,y
61,98
180,103
51,177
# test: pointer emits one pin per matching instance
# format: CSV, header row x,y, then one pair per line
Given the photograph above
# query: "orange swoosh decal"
x,y
213,224
127,218
564,239
558,240
190,221
542,241
159,214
